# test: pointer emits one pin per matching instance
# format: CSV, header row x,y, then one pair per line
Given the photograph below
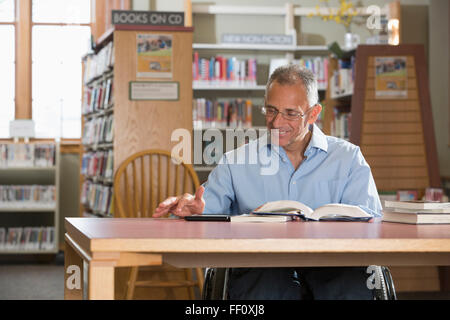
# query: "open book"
x,y
332,211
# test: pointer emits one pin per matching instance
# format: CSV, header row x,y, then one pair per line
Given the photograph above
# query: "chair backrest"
x,y
147,178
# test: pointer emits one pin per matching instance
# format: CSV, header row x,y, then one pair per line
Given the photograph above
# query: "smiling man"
x,y
313,168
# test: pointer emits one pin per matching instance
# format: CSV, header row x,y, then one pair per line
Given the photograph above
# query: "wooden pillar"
x,y
23,60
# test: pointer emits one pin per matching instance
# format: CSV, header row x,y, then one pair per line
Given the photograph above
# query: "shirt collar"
x,y
318,141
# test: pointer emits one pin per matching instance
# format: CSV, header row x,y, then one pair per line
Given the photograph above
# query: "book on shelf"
x,y
27,239
98,130
342,79
219,70
222,114
97,197
98,164
27,196
317,65
98,97
341,124
97,64
13,155
330,212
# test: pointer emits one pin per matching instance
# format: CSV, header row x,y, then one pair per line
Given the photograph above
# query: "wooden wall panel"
x,y
391,129
380,128
395,161
394,150
401,172
400,183
141,125
393,139
399,105
393,116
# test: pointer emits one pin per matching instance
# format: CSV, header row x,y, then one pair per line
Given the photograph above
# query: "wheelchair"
x,y
216,279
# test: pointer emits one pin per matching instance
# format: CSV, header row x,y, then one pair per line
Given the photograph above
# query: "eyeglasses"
x,y
272,113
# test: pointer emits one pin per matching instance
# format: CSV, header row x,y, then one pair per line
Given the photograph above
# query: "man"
x,y
313,168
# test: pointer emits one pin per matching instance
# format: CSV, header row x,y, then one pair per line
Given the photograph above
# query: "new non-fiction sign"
x,y
155,18
275,39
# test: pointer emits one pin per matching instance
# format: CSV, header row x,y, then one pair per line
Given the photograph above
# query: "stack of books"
x,y
417,212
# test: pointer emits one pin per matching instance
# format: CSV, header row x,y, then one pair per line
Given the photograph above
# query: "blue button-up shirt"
x,y
333,171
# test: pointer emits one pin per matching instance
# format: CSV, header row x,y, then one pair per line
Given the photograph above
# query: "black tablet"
x,y
208,217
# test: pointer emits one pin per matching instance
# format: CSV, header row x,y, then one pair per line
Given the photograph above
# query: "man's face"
x,y
290,99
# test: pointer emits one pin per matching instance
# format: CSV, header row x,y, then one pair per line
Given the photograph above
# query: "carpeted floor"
x,y
46,282
31,282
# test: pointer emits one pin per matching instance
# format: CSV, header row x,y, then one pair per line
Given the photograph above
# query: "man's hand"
x,y
185,205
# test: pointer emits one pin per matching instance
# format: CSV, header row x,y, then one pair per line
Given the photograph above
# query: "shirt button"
x,y
293,182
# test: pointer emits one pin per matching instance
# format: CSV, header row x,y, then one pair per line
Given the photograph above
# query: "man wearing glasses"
x,y
314,169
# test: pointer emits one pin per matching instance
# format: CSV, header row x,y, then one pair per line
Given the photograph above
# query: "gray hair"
x,y
291,74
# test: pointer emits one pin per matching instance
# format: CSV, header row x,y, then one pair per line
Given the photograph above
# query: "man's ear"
x,y
315,112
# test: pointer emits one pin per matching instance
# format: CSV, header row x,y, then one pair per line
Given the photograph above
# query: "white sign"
x,y
21,129
154,90
270,39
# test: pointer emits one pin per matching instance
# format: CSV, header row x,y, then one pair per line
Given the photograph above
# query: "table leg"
x,y
73,274
101,280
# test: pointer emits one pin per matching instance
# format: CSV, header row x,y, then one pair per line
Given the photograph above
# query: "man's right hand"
x,y
185,205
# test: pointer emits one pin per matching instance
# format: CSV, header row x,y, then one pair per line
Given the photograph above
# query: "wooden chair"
x,y
143,181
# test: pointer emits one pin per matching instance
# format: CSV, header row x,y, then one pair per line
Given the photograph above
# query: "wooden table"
x,y
103,244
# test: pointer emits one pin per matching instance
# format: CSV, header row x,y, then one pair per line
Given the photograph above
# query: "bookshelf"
x,y
96,170
115,125
337,104
29,198
256,59
136,125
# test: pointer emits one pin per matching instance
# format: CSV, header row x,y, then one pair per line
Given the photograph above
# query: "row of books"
x,y
98,130
222,114
317,65
96,64
417,212
99,97
343,79
27,155
98,164
97,197
221,70
341,125
27,196
27,239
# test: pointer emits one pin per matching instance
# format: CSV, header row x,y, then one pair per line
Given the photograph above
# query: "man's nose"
x,y
278,120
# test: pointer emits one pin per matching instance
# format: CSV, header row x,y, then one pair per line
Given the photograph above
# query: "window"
x,y
7,66
7,11
57,47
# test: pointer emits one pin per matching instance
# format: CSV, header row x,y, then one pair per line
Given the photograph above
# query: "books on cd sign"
x,y
416,205
289,209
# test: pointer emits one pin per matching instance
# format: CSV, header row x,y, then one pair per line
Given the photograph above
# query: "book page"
x,y
285,206
337,210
